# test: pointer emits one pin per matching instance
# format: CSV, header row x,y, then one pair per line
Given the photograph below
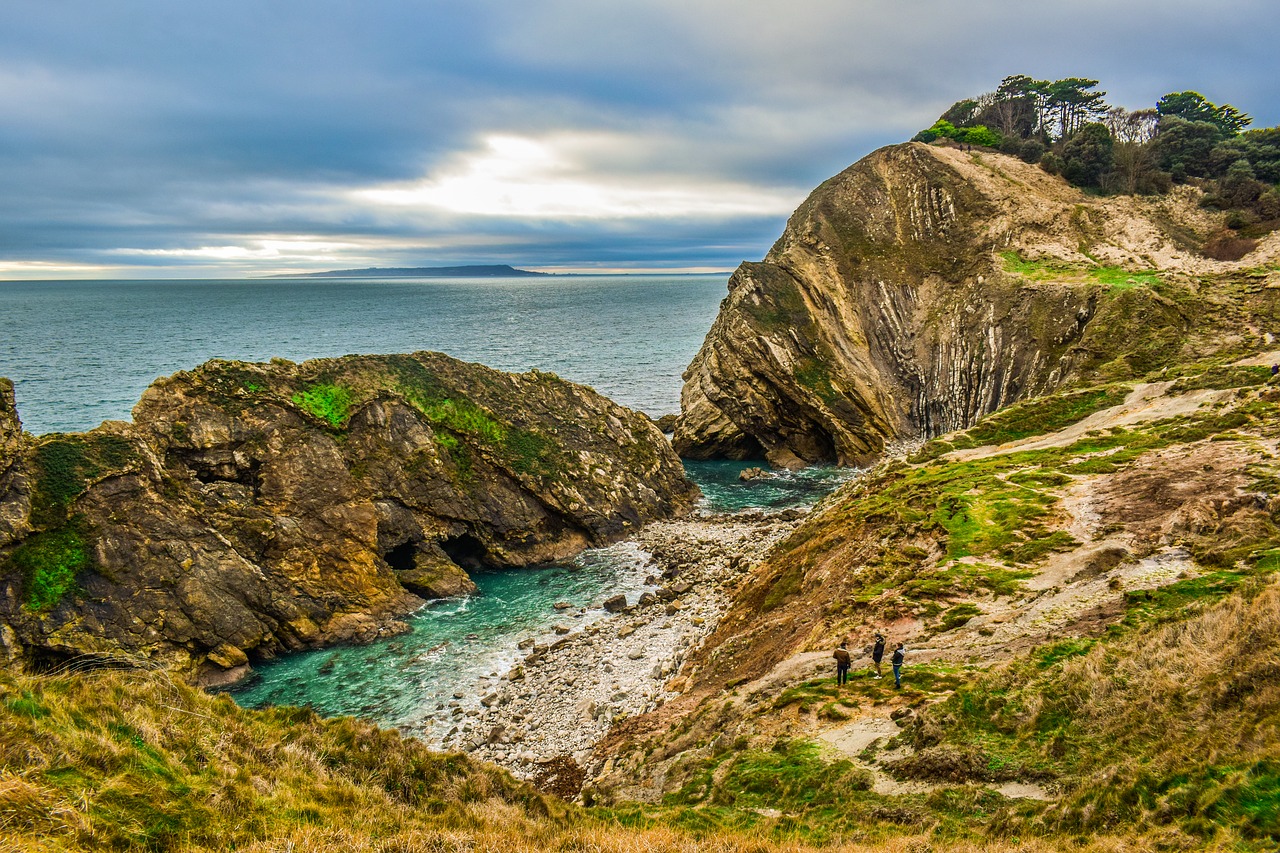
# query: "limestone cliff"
x,y
924,287
254,508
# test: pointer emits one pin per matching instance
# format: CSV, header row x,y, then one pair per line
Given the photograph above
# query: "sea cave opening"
x,y
400,558
465,550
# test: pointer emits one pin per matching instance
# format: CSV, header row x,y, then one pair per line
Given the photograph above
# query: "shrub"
x,y
1031,151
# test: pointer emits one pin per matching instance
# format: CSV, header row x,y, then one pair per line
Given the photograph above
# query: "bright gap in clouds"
x,y
267,249
516,176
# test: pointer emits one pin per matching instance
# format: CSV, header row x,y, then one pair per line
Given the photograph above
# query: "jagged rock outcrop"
x,y
255,508
896,304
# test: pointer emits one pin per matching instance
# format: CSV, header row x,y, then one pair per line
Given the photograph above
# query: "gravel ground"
x,y
545,715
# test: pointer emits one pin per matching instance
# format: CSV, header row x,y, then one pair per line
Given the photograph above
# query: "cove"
x,y
457,649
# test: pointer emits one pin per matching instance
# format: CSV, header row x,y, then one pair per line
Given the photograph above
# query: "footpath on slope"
x,y
1126,528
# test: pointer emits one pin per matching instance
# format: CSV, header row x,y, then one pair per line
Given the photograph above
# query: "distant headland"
x,y
472,271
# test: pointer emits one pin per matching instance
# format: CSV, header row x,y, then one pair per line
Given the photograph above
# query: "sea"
x,y
81,352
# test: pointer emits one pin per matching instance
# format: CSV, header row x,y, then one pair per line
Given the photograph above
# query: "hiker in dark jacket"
x,y
842,663
898,654
877,653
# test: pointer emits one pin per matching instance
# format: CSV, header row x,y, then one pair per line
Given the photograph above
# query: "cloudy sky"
x,y
154,138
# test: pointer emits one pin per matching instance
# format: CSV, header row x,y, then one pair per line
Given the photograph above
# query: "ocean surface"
x,y
83,352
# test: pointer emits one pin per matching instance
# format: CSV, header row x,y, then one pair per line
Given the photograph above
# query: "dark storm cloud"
x,y
249,136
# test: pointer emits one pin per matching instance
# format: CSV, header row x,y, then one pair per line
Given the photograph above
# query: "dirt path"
x,y
1147,402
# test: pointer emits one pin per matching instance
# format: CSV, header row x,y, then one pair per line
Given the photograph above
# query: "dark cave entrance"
x,y
400,558
465,550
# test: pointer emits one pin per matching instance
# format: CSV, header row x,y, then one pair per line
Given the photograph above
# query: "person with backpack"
x,y
877,653
842,663
898,654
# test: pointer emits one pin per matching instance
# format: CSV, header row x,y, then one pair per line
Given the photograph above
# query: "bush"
x,y
1268,204
1051,163
978,135
1237,219
1031,151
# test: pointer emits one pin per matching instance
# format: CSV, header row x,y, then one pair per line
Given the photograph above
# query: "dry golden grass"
x,y
130,760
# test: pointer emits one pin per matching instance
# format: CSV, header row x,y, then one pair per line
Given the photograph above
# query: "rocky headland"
x,y
251,509
927,286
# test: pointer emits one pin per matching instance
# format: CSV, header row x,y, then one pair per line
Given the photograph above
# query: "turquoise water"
x,y
722,491
83,352
455,646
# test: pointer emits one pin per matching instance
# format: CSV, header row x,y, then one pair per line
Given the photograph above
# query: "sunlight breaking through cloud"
x,y
515,176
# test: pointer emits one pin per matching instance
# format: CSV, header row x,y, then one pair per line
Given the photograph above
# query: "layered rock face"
x,y
889,307
255,508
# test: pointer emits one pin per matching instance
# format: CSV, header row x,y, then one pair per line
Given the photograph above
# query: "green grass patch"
x,y
1040,416
49,563
958,616
1223,377
525,451
67,464
1113,277
327,402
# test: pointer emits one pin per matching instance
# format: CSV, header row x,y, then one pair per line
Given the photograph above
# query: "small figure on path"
x,y
1275,369
842,663
898,654
877,653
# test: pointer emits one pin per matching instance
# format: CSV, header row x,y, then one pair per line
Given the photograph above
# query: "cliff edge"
x,y
925,287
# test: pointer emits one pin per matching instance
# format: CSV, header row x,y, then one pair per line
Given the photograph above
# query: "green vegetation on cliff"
x,y
49,563
330,403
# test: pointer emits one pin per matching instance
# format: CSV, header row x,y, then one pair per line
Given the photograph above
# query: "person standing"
x,y
898,654
877,653
842,663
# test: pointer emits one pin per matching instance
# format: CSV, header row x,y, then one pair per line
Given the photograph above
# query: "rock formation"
x,y
924,287
255,508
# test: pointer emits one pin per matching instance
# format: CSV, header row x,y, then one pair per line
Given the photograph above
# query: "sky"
x,y
229,138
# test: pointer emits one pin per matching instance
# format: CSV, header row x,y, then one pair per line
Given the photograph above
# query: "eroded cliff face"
x,y
255,508
925,287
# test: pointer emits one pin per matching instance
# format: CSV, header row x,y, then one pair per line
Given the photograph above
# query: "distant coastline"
x,y
471,271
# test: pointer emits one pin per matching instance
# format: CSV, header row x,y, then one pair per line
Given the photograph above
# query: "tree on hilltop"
x,y
1068,128
1193,106
1071,104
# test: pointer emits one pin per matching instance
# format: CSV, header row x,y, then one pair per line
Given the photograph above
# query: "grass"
x,y
67,464
49,563
131,760
1099,716
1110,276
454,416
1040,416
327,402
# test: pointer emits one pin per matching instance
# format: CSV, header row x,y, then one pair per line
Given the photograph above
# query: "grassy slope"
x,y
132,760
1161,730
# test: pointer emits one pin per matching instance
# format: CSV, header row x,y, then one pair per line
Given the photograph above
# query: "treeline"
x,y
1070,130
